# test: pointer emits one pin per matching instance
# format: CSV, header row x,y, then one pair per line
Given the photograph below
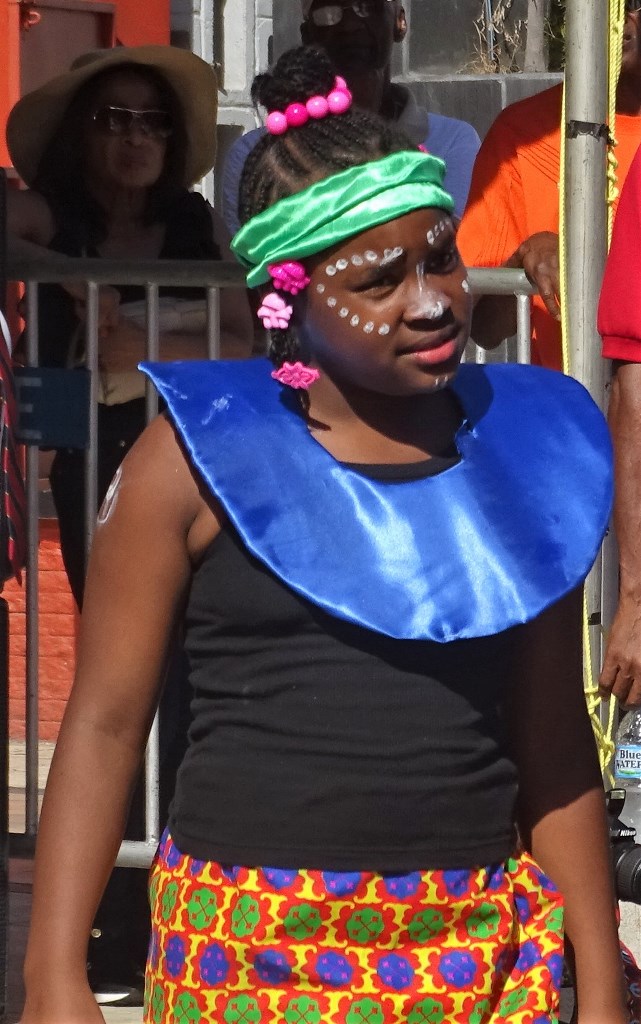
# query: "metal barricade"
x,y
210,276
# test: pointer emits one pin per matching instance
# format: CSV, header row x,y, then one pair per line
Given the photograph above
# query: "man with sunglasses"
x,y
359,36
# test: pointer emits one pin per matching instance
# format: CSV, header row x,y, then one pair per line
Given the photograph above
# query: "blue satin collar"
x,y
483,546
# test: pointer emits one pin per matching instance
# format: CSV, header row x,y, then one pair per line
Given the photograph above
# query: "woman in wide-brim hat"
x,y
38,116
109,151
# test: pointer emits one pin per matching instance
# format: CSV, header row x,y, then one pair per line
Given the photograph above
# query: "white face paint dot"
x,y
370,256
436,231
391,255
320,288
384,329
342,264
331,302
357,261
369,327
330,270
355,321
466,285
344,311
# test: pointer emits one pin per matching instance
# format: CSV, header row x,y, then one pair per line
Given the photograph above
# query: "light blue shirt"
x,y
456,142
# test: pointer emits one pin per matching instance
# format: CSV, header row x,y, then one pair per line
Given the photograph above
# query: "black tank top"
x,y
319,744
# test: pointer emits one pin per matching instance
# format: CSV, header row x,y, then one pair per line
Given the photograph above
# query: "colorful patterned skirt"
x,y
240,945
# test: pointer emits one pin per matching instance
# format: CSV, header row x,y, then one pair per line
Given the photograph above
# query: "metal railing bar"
x,y
211,273
136,855
32,711
91,452
189,273
213,323
523,329
152,785
152,752
153,336
500,281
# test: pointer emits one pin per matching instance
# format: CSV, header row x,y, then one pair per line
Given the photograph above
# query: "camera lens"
x,y
626,860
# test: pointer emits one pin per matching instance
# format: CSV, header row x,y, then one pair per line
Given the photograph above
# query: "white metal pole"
x,y
585,184
586,225
202,43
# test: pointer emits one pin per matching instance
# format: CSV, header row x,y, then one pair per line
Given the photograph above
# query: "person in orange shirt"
x,y
512,214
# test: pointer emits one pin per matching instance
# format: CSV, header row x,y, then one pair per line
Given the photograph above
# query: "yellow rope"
x,y
604,737
615,50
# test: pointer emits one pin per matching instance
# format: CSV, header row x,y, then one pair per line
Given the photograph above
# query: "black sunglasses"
x,y
328,15
122,120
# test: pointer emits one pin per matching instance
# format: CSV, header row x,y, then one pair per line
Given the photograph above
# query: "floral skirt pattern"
x,y
241,945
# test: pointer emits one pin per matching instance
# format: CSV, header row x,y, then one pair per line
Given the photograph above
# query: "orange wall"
x,y
138,23
9,67
57,639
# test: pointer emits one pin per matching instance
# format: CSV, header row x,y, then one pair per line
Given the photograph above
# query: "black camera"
x,y
626,852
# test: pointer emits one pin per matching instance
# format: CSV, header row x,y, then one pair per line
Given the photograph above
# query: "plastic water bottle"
x,y
628,768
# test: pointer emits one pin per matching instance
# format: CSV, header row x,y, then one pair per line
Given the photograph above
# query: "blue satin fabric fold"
x,y
483,546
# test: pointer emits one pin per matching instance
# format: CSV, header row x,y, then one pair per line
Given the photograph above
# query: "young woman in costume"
x,y
377,556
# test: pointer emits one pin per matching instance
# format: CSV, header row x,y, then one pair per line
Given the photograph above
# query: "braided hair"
x,y
281,165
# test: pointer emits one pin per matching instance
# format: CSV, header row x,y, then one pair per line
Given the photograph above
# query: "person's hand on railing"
x,y
494,317
538,256
621,672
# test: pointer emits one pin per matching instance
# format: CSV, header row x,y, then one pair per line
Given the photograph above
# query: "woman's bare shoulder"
x,y
158,490
30,217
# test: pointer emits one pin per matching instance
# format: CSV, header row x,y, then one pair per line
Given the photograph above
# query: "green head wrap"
x,y
342,205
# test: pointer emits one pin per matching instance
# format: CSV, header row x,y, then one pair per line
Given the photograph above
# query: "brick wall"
x,y
57,636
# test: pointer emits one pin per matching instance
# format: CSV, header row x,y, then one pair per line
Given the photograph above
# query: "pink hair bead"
x,y
296,115
276,123
340,83
317,107
339,100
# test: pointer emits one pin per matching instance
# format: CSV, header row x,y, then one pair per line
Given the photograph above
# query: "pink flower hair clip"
x,y
337,101
275,313
296,375
290,276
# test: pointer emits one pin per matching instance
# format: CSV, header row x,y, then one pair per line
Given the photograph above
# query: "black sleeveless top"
x,y
319,744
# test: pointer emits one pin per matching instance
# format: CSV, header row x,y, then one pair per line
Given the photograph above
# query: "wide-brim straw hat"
x,y
36,117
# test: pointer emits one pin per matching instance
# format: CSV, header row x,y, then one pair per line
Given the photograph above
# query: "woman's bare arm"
x,y
29,218
152,524
561,801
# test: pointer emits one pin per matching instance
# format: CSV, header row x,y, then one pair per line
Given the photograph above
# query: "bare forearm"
x,y
83,819
625,425
621,669
571,845
561,811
